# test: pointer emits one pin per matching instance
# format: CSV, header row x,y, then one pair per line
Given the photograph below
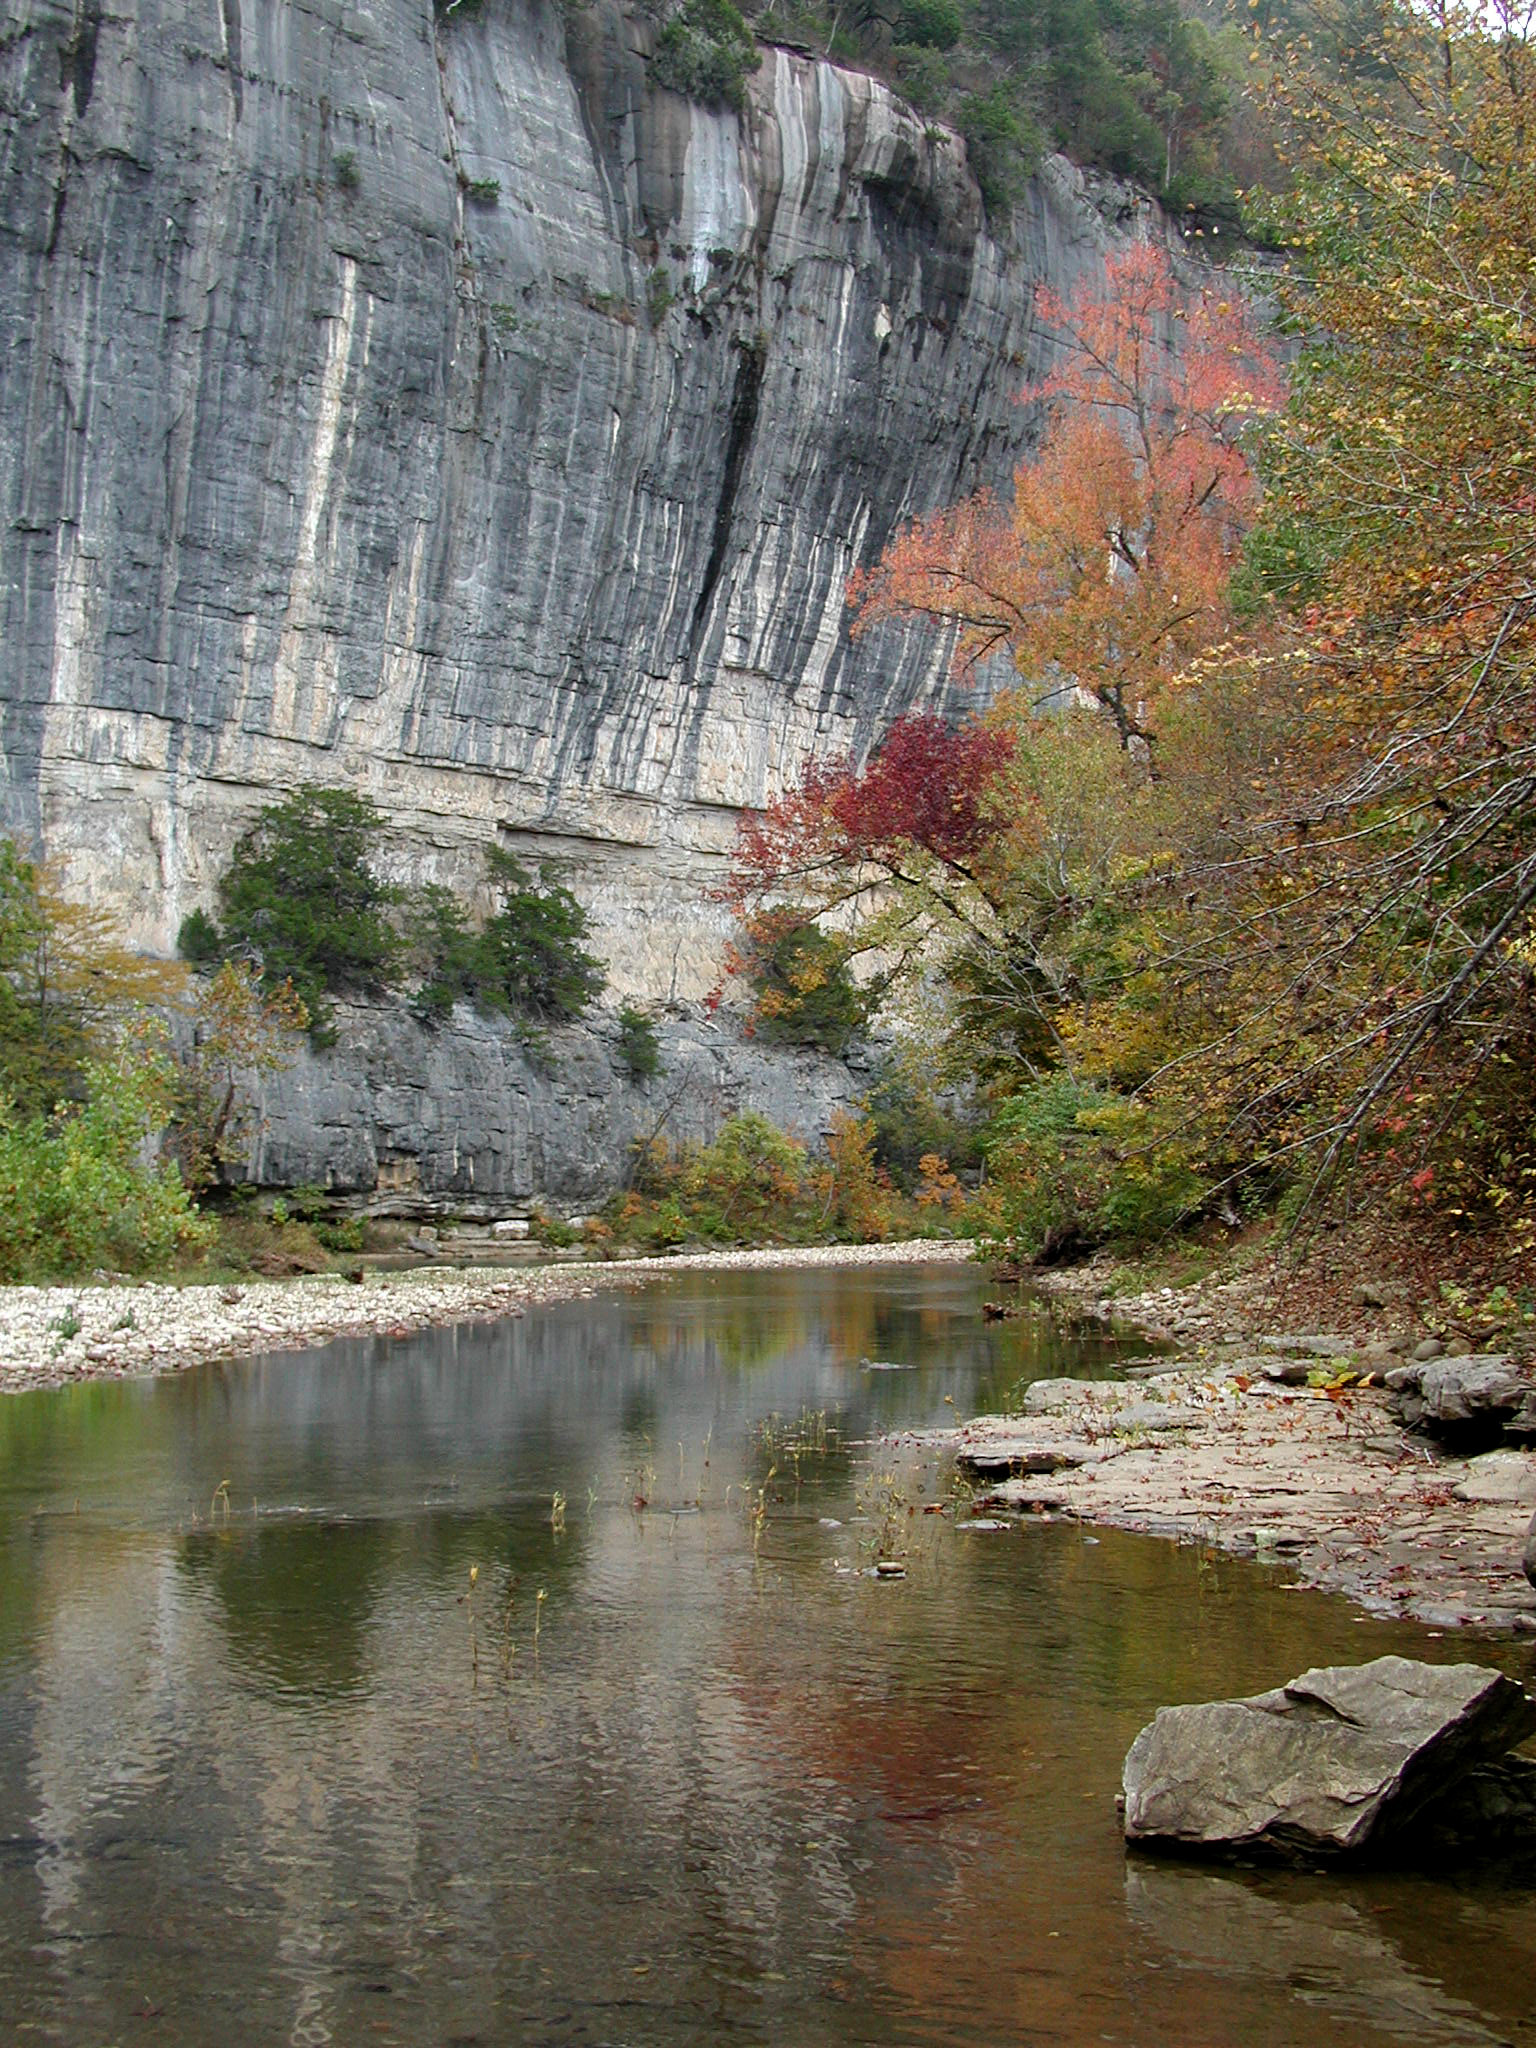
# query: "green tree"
x,y
529,958
805,993
707,52
300,898
638,1045
67,984
75,1192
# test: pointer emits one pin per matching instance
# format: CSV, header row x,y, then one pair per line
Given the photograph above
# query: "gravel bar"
x,y
52,1335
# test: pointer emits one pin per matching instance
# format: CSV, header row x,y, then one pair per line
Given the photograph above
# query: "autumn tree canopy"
x,y
1110,568
1297,934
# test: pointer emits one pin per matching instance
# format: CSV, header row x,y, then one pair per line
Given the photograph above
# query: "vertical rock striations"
x,y
428,404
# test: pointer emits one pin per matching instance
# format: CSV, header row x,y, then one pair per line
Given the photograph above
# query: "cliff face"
x,y
469,1119
527,509
428,405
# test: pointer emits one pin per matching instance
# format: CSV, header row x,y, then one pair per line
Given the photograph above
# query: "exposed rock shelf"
x,y
468,1117
1323,1480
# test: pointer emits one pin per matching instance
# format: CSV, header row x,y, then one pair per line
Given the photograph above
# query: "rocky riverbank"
x,y
51,1335
1298,1453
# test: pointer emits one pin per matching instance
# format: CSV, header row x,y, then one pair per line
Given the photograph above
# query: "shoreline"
x,y
55,1336
1205,1446
1321,1480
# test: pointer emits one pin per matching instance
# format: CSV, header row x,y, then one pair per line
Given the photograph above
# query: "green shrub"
x,y
1003,144
346,1234
74,1190
907,1125
529,958
658,295
924,76
931,24
199,941
441,947
552,1230
344,170
707,52
1074,1165
300,897
754,1184
638,1047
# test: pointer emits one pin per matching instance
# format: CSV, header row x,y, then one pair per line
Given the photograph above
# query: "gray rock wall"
x,y
430,407
470,1117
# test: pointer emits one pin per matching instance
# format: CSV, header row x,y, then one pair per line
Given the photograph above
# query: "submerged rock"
x,y
1342,1761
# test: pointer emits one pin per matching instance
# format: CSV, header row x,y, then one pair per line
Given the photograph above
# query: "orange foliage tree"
x,y
1110,567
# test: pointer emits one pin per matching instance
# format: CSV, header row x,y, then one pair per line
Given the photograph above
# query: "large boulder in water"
x,y
1340,1762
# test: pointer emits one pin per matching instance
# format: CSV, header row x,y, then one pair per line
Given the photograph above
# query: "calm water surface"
x,y
269,1772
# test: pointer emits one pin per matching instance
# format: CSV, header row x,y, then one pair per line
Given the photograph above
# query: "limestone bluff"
x,y
439,408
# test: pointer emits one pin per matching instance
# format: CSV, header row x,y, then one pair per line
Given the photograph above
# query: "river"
x,y
323,1719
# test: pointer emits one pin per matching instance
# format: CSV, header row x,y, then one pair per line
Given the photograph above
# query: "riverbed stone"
x,y
1456,1396
1528,1562
1501,1477
1380,1293
1288,1372
1340,1761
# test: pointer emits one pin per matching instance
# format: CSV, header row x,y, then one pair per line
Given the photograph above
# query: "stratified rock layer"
x,y
473,1116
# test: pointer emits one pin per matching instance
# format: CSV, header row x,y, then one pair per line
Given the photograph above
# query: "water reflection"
x,y
276,1774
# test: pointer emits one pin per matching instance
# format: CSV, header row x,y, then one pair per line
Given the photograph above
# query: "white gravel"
x,y
49,1335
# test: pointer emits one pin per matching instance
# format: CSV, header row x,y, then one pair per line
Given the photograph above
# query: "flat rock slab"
x,y
1153,1415
1342,1761
1045,1397
1364,1511
1501,1476
1004,1457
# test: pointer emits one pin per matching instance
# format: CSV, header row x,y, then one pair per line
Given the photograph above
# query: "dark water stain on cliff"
x,y
232,46
746,400
77,57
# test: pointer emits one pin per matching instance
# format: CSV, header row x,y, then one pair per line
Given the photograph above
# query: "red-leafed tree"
x,y
1109,570
924,791
856,859
959,855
